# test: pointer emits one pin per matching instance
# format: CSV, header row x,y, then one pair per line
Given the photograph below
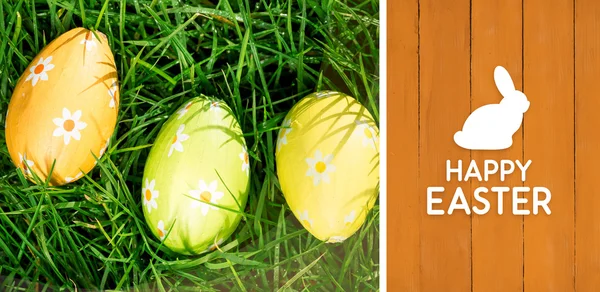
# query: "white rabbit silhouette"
x,y
492,126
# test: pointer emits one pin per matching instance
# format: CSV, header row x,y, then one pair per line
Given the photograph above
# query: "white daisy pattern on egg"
x,y
77,176
25,164
88,42
214,105
245,160
39,70
112,92
160,229
150,195
349,219
69,126
205,193
336,239
176,142
320,167
181,112
283,133
304,218
369,134
323,94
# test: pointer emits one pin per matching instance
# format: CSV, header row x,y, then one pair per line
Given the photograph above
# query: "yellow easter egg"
x,y
64,108
327,160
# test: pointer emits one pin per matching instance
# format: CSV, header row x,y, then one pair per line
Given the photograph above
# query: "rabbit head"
x,y
516,101
513,98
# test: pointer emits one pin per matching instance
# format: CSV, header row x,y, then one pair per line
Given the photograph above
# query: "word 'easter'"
x,y
540,199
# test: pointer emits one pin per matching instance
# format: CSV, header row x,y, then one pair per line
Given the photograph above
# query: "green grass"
x,y
258,56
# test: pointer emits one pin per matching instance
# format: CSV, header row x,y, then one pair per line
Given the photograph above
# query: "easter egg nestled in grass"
x,y
64,108
196,178
327,160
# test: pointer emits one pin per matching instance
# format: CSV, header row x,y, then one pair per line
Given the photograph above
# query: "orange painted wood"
x,y
549,142
497,251
403,240
587,145
444,103
551,49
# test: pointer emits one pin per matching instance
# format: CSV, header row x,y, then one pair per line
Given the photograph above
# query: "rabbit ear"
x,y
503,81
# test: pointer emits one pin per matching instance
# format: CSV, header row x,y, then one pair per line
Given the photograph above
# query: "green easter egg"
x,y
196,178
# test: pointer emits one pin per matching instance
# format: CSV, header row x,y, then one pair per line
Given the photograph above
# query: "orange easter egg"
x,y
64,108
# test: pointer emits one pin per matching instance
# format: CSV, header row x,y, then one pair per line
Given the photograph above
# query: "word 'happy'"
x,y
503,168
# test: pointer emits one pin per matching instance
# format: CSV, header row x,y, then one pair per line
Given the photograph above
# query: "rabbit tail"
x,y
459,138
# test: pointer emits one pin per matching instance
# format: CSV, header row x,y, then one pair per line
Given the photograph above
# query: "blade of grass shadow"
x,y
297,276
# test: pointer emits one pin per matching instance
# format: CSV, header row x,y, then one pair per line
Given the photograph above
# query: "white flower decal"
x,y
161,230
214,105
319,167
69,126
112,92
77,176
369,134
39,71
283,132
245,160
336,239
323,94
179,137
205,193
150,195
88,42
348,219
214,246
304,219
25,164
181,112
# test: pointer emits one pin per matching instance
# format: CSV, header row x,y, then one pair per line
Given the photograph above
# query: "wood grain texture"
x,y
587,144
549,142
497,239
552,51
444,102
403,242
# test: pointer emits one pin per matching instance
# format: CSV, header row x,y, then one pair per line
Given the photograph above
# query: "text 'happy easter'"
x,y
540,196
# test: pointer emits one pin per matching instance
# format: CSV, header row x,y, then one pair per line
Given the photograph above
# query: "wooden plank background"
x,y
441,57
